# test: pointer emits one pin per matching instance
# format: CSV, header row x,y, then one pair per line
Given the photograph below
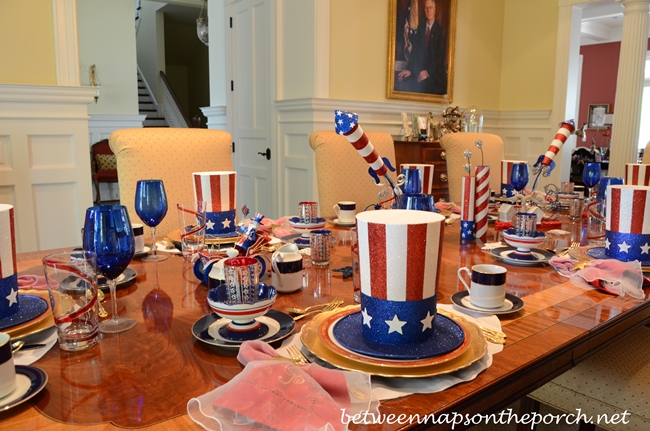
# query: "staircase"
x,y
147,106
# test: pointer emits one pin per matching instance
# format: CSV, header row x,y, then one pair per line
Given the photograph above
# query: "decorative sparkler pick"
x,y
545,163
347,124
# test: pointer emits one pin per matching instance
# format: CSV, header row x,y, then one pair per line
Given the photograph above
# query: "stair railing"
x,y
172,110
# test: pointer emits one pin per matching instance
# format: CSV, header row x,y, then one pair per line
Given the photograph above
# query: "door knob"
x,y
267,154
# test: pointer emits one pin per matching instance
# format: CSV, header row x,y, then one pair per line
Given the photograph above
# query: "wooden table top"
x,y
144,377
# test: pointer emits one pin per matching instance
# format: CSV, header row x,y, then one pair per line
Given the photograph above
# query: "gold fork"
x,y
338,300
296,355
573,245
331,306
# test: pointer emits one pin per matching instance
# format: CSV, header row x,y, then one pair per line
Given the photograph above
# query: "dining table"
x,y
144,377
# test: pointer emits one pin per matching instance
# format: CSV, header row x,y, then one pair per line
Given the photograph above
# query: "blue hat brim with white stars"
x,y
31,306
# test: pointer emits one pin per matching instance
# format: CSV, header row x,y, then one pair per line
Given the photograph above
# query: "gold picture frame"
x,y
409,51
597,112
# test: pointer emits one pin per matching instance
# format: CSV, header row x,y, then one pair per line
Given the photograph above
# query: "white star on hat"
x,y
504,191
427,322
607,243
226,223
366,317
12,297
209,225
395,325
623,247
645,248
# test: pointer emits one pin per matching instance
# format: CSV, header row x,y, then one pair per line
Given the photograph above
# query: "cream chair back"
x,y
170,155
646,154
342,173
455,144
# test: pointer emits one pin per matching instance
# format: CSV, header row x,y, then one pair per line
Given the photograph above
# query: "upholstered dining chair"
x,y
342,173
104,166
455,144
170,155
613,380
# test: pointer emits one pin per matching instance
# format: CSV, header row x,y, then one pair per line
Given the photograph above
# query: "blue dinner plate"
x,y
279,320
599,253
448,336
31,306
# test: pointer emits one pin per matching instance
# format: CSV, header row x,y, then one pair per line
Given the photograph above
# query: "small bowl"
x,y
523,244
242,315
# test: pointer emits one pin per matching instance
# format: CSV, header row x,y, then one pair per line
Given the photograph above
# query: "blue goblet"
x,y
519,176
591,176
151,207
108,233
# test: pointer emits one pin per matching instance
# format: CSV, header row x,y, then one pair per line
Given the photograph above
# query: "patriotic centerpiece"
x,y
218,190
467,207
637,175
9,282
627,229
507,189
347,124
399,261
426,176
545,163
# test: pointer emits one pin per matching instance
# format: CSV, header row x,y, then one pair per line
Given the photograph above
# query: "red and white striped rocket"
x,y
217,189
9,281
637,175
566,128
482,201
426,175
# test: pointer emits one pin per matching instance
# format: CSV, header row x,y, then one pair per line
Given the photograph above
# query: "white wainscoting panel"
x,y
45,168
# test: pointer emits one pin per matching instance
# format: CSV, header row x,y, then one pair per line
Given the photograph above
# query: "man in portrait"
x,y
426,71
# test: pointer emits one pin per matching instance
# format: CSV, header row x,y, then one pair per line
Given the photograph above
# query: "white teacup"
x,y
7,368
345,211
138,236
488,285
287,269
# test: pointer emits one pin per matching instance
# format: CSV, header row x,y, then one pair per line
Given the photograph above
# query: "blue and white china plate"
x,y
29,381
298,239
206,329
31,306
448,336
503,253
512,304
123,280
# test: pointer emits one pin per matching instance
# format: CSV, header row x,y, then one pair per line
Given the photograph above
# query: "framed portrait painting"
x,y
597,116
421,49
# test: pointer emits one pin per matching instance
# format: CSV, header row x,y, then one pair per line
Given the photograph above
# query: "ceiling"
x,y
602,22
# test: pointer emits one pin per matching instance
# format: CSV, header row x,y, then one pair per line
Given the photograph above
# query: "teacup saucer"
x,y
510,305
145,251
338,222
29,381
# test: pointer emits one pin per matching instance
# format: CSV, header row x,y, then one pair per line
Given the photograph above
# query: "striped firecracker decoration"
x,y
627,229
467,207
426,176
507,190
637,175
9,282
561,136
399,261
218,190
482,201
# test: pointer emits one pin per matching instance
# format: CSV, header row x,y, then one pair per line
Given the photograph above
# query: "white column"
x,y
629,86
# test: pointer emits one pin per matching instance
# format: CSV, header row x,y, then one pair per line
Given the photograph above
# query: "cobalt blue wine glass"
x,y
151,207
108,232
519,176
591,176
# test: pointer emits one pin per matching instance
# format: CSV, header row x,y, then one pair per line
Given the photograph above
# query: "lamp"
x,y
202,25
94,82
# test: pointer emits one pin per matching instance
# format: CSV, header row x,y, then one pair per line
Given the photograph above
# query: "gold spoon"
x,y
100,297
16,346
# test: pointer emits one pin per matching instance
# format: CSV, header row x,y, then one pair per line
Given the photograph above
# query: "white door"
x,y
251,105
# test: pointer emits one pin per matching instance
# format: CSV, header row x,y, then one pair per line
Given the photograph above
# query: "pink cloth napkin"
x,y
274,393
36,282
609,275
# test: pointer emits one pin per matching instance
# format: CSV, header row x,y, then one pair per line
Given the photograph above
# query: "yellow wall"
x,y
529,49
504,57
27,42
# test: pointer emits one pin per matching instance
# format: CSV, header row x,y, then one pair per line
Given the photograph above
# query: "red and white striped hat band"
x,y
426,175
7,241
506,169
362,144
217,188
637,175
628,209
399,254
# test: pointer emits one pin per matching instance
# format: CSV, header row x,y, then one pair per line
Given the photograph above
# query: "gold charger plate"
x,y
311,340
325,334
175,236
